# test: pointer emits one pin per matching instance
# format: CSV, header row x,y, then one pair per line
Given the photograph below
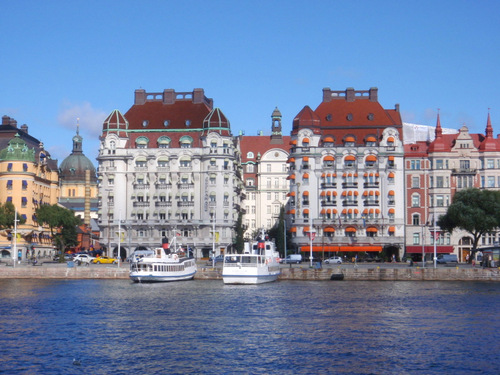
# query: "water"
x,y
287,327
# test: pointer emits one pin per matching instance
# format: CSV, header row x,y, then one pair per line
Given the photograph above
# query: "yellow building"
x,y
28,179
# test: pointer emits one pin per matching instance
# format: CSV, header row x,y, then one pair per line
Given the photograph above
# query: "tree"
x,y
62,223
7,216
278,231
472,210
240,231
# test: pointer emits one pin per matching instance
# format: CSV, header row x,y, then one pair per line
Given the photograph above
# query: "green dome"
x,y
74,166
72,169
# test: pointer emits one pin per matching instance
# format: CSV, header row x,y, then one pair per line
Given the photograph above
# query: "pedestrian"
x,y
467,259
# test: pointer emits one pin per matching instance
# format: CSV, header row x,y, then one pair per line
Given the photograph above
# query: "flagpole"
x,y
14,250
435,240
119,235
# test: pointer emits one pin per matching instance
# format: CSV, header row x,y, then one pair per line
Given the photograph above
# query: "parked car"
x,y
105,260
292,258
337,260
447,258
83,258
218,258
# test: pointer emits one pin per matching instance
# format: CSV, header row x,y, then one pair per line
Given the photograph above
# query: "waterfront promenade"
x,y
362,272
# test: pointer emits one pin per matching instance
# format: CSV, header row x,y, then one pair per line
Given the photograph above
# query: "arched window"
x,y
186,141
164,142
142,142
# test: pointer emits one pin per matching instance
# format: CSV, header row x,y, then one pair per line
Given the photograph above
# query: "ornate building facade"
x,y
435,170
169,167
265,171
347,176
29,178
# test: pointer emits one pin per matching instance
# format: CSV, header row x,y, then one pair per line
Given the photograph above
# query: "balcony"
x,y
374,184
163,186
163,204
328,184
328,203
141,186
185,186
371,203
349,184
349,203
185,204
464,171
141,204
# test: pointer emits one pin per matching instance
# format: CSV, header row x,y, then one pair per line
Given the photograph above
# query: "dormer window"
x,y
145,123
188,123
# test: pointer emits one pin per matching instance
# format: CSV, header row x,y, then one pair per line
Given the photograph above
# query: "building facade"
x,y
29,178
347,176
78,180
169,168
265,172
435,171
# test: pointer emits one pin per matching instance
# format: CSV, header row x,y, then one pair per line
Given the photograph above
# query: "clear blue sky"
x,y
63,60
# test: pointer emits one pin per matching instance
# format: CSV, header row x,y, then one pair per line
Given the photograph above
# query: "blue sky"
x,y
82,59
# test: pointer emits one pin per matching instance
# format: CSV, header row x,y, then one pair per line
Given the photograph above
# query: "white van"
x,y
292,258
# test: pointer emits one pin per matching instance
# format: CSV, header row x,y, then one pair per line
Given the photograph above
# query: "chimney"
x,y
327,95
349,94
168,96
140,96
24,128
198,96
373,94
5,120
397,107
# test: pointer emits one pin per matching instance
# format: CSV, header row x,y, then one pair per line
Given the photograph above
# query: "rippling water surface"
x,y
205,327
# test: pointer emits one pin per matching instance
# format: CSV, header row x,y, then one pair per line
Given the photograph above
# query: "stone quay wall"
x,y
62,271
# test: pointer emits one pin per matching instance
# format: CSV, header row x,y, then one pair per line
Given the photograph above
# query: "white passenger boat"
x,y
162,264
258,264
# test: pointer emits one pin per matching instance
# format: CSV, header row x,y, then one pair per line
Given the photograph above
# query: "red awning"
x,y
429,249
341,248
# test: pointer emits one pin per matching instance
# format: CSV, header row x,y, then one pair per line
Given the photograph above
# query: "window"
x,y
250,182
141,163
9,185
415,164
268,167
25,185
439,201
250,168
163,162
416,219
464,164
415,182
9,167
439,182
24,201
416,238
25,167
415,200
490,163
491,181
250,155
186,163
439,164
213,179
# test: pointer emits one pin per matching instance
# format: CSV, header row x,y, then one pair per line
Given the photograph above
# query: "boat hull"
x,y
140,277
249,279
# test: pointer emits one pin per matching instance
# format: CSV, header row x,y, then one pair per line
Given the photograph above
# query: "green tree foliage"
x,y
62,223
240,230
474,211
278,232
7,216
